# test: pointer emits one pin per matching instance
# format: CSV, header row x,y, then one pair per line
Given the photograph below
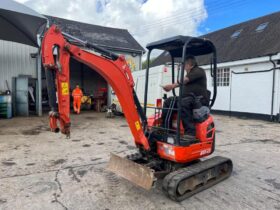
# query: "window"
x,y
236,34
223,77
261,27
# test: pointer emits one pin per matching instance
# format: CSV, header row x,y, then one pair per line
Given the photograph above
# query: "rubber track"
x,y
172,180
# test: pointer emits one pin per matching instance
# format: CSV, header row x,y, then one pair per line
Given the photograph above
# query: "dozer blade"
x,y
135,173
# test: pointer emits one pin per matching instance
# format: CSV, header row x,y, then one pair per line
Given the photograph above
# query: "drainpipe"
x,y
39,77
278,62
273,87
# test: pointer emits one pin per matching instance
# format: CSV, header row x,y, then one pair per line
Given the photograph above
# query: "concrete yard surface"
x,y
44,170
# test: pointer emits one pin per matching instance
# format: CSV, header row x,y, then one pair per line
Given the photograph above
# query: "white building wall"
x,y
251,93
15,59
248,92
277,93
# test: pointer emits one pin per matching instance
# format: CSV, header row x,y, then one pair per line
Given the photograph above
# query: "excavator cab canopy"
x,y
174,45
179,47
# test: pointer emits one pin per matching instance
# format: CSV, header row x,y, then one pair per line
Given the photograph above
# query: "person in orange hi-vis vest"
x,y
77,95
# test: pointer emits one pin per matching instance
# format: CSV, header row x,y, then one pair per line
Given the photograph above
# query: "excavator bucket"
x,y
135,173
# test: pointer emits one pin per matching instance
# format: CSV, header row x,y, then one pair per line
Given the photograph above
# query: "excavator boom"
x,y
56,53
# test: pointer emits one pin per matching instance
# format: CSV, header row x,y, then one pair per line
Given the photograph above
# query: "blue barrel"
x,y
5,106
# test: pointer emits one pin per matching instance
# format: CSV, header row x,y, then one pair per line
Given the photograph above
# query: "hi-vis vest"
x,y
77,93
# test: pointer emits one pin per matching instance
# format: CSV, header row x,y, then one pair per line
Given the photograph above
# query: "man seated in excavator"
x,y
195,85
165,156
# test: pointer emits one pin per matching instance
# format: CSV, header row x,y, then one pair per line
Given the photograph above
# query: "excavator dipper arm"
x,y
56,53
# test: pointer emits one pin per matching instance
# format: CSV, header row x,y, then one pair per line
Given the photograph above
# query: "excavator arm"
x,y
56,53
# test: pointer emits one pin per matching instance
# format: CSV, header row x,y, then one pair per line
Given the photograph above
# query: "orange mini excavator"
x,y
162,153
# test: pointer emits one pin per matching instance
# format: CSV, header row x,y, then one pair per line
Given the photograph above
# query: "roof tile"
x,y
110,38
249,43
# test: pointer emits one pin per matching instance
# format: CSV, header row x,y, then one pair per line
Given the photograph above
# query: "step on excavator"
x,y
162,153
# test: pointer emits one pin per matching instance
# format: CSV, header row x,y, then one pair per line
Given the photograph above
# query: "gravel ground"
x,y
43,170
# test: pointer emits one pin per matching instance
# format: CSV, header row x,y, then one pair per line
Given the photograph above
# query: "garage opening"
x,y
93,85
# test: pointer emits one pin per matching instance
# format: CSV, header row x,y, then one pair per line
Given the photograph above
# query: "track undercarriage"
x,y
180,181
185,182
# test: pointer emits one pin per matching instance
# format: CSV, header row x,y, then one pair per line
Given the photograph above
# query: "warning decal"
x,y
64,88
137,125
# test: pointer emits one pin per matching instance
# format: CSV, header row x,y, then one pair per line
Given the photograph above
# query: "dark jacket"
x,y
197,83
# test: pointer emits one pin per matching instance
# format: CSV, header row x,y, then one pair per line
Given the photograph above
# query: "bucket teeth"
x,y
135,173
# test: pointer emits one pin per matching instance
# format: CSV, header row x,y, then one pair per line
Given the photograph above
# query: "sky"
x,y
152,20
223,13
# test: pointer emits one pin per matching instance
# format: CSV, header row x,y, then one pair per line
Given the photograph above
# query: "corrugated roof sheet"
x,y
110,38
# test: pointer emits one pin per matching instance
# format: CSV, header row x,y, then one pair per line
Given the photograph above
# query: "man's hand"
x,y
169,87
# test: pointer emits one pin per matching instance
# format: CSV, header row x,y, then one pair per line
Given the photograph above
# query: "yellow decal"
x,y
131,64
64,88
137,125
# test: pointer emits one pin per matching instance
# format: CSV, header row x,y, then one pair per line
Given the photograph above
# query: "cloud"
x,y
22,1
146,20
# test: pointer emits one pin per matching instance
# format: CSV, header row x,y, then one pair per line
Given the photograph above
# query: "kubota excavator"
x,y
163,152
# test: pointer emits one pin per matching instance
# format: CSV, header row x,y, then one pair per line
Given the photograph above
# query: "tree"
x,y
145,63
